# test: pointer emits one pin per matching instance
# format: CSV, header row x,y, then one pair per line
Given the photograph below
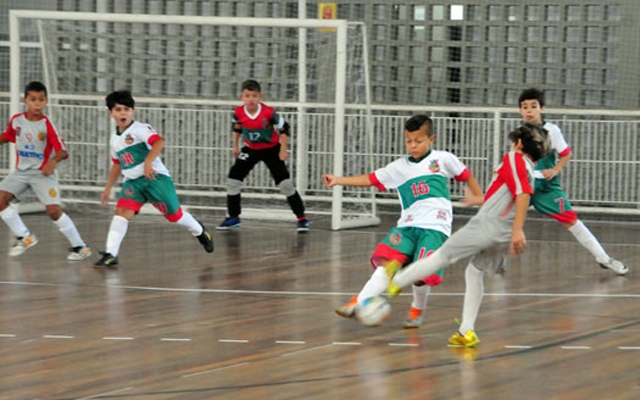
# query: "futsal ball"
x,y
373,311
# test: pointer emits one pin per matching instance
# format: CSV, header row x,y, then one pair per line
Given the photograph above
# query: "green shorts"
x,y
160,192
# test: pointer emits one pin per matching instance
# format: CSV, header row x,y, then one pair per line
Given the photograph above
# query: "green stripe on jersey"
x,y
133,155
422,188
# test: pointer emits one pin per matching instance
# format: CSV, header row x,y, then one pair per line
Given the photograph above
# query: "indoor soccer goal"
x,y
185,73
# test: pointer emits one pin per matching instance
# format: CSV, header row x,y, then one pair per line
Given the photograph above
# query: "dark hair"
x,y
532,94
252,85
418,121
123,97
535,140
35,86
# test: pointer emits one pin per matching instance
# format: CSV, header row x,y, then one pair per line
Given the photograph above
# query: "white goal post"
x,y
338,105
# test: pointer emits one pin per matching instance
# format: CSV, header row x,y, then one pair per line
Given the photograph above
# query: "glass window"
x,y
513,13
493,55
380,32
532,13
591,97
456,12
550,76
570,98
474,75
573,13
493,34
552,13
591,76
611,34
437,13
419,13
612,12
437,74
418,33
418,74
592,34
474,13
572,34
551,55
380,12
417,54
511,75
572,55
474,54
474,34
611,76
551,34
531,76
591,55
610,55
572,76
513,33
594,13
511,54
495,13
532,55
437,33
533,33
437,54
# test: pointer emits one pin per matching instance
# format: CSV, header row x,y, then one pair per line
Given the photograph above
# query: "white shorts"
x,y
44,187
485,239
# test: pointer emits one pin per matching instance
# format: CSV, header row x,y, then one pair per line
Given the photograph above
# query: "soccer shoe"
x,y
348,310
228,223
205,239
615,265
108,260
469,339
22,244
303,225
79,253
414,320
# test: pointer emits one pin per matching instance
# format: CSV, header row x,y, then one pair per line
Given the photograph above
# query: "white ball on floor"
x,y
373,311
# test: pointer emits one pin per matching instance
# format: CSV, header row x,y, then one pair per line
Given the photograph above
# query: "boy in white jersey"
x,y
135,152
548,197
422,182
493,233
39,148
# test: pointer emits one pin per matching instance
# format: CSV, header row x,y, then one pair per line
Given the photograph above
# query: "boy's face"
x,y
418,142
35,102
251,98
531,111
122,114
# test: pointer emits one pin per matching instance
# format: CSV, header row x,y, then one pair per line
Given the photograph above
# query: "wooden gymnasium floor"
x,y
255,320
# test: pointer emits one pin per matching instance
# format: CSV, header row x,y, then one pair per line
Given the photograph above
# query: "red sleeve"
x,y
514,174
566,152
153,139
53,139
115,161
464,176
375,182
10,134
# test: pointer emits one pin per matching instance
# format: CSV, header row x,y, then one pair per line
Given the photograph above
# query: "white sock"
x,y
420,296
68,229
11,217
190,223
584,236
473,294
376,285
117,230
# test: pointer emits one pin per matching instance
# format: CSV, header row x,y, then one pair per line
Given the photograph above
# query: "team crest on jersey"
x,y
29,137
128,139
128,192
53,193
434,166
395,238
41,136
265,122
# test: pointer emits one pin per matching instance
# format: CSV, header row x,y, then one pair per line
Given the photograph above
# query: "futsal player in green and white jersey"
x,y
135,152
422,182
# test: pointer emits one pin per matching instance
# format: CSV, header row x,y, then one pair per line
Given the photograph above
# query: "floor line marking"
x,y
293,353
58,337
106,393
347,343
517,346
575,347
404,344
7,335
215,370
290,342
629,347
175,339
117,338
233,341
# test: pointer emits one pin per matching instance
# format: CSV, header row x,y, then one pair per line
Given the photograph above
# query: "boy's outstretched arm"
x,y
331,180
518,240
114,174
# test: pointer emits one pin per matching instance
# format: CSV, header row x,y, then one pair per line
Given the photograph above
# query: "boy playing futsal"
x,y
39,148
548,197
493,233
264,135
135,152
422,182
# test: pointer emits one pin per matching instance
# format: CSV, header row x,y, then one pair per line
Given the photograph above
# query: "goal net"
x,y
185,74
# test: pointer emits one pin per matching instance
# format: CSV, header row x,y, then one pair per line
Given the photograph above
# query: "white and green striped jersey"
x,y
423,188
130,148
